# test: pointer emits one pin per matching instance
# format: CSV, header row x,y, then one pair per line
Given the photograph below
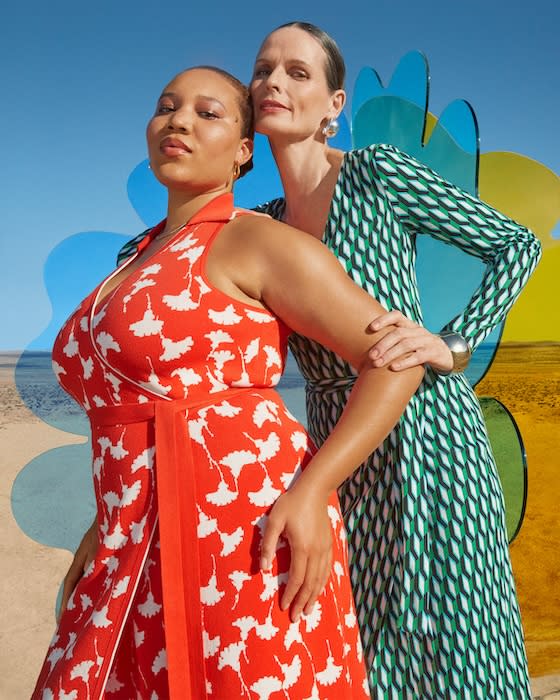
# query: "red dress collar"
x,y
220,208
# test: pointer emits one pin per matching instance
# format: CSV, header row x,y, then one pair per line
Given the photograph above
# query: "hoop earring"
x,y
236,171
330,129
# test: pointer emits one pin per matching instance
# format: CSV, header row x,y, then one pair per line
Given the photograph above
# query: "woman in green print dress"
x,y
430,566
425,516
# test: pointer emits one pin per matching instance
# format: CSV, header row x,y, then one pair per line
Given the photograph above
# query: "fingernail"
x,y
374,354
265,564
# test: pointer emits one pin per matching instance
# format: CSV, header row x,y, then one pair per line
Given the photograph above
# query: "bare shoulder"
x,y
255,225
253,247
264,234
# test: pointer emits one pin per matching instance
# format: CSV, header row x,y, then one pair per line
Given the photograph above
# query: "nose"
x,y
274,80
179,120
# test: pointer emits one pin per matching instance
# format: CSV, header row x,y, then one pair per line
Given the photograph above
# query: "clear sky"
x,y
79,80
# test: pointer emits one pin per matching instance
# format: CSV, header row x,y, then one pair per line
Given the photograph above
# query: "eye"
x,y
164,109
207,114
261,72
299,74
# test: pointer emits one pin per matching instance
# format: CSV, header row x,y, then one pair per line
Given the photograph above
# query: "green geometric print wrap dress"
x,y
425,515
430,567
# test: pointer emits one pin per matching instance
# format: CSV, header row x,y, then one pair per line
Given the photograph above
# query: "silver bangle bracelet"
x,y
460,351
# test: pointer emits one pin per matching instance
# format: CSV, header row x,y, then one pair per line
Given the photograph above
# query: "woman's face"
x,y
290,93
194,137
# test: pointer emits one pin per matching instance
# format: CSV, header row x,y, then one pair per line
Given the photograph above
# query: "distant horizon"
x,y
519,343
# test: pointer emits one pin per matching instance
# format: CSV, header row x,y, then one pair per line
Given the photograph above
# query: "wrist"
x,y
308,483
460,352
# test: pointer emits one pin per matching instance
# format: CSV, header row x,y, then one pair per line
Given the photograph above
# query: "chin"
x,y
270,128
270,122
170,175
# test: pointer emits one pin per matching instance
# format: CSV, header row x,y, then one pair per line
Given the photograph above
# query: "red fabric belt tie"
x,y
176,495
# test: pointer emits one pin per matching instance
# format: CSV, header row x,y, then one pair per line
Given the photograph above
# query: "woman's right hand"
x,y
301,517
83,557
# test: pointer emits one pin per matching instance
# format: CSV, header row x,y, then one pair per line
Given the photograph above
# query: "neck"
x,y
308,170
182,206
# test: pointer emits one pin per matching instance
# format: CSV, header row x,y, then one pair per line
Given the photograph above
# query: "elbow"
x,y
530,243
409,377
532,250
417,376
525,249
536,248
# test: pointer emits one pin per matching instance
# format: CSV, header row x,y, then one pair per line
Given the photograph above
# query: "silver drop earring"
x,y
330,130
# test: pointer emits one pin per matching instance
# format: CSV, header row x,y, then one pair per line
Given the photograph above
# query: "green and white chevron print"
x,y
425,516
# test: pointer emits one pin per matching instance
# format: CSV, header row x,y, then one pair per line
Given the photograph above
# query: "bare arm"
x,y
302,282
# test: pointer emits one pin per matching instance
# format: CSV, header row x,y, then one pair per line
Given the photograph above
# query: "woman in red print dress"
x,y
220,567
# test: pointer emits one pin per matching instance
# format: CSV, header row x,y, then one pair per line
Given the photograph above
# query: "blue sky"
x,y
79,81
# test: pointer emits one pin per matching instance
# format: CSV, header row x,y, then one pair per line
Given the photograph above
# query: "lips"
x,y
272,106
173,147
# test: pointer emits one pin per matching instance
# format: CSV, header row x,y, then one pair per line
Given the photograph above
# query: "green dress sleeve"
x,y
274,208
426,203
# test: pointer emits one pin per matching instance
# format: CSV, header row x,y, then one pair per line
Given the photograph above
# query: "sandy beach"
x,y
525,379
31,572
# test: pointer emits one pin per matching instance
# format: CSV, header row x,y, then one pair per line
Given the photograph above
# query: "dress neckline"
x,y
221,208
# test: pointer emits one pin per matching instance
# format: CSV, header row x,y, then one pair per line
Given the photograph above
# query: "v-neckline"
x,y
221,208
217,209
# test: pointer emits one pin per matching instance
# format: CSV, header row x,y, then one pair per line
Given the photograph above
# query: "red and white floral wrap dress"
x,y
191,447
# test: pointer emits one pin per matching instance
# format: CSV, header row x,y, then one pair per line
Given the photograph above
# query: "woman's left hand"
x,y
301,517
408,345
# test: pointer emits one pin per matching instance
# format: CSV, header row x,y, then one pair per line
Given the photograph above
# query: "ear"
x,y
245,151
338,100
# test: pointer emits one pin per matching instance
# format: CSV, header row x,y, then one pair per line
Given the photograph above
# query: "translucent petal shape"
x,y
525,190
389,119
52,496
410,81
146,194
452,148
73,268
509,452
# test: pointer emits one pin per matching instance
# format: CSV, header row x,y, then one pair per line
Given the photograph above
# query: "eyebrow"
x,y
211,99
294,61
201,97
